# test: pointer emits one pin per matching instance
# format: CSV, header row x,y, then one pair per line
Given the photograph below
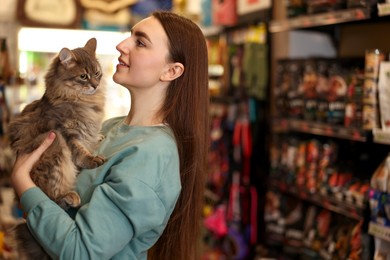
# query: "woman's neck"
x,y
144,111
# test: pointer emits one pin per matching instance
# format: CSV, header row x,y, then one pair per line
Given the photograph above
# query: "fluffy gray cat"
x,y
73,107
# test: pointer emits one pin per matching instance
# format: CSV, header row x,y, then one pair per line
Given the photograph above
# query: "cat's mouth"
x,y
90,90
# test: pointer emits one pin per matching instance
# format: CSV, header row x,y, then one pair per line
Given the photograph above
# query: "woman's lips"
x,y
122,63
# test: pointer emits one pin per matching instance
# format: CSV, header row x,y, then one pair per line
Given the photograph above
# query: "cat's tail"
x,y
19,238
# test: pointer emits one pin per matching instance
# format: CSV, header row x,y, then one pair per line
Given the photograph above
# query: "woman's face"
x,y
143,56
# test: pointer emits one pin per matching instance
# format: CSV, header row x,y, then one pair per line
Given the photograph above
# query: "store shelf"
x,y
333,204
322,129
353,31
306,21
379,231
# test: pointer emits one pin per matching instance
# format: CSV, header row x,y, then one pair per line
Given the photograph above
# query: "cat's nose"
x,y
94,84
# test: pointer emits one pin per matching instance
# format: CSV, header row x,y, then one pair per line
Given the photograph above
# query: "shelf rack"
x,y
314,20
323,129
345,208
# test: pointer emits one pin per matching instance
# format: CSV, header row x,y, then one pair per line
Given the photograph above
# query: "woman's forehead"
x,y
151,29
149,25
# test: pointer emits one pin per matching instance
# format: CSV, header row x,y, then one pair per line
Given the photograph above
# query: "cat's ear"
x,y
91,45
67,58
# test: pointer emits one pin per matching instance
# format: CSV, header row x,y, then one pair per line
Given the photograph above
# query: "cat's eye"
x,y
84,76
97,73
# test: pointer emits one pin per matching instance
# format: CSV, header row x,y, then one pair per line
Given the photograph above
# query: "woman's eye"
x,y
84,76
139,43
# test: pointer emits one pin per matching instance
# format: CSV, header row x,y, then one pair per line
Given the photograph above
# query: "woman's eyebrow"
x,y
140,34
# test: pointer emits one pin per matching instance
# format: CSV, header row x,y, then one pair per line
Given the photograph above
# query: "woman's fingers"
x,y
36,154
26,161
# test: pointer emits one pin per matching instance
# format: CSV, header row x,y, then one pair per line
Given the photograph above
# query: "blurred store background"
x,y
299,134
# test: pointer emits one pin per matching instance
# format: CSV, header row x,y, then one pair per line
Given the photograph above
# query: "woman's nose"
x,y
121,47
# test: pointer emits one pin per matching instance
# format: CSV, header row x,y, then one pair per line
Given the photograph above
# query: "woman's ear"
x,y
173,71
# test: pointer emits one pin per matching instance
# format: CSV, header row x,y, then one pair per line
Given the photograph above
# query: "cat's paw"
x,y
70,200
99,160
94,161
101,137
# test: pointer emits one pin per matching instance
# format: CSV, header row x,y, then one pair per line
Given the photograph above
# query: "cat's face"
x,y
77,72
83,68
85,80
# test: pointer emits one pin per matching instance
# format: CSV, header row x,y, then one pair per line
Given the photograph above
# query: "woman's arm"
x,y
20,176
124,211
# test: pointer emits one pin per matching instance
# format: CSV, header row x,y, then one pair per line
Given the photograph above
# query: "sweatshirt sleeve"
x,y
122,207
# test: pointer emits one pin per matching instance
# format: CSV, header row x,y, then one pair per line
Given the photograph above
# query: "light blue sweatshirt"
x,y
126,202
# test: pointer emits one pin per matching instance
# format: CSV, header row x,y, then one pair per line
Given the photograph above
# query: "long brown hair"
x,y
186,111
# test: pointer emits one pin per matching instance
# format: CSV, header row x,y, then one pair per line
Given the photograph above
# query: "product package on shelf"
x,y
321,6
354,102
379,201
310,94
323,91
312,170
337,90
224,12
288,96
300,230
299,8
384,95
373,58
380,194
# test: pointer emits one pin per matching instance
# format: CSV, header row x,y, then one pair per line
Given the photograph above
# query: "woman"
x,y
145,202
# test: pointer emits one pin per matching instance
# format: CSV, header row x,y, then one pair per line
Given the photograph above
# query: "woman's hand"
x,y
20,176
